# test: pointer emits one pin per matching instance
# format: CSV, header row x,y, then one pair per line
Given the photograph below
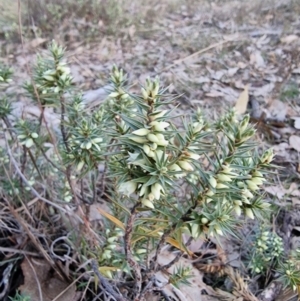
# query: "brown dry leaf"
x,y
281,149
190,292
242,102
264,90
294,141
296,122
276,109
37,42
131,31
296,201
289,39
257,60
195,245
280,191
38,279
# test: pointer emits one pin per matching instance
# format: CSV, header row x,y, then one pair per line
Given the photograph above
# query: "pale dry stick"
x,y
34,239
86,288
18,196
12,250
68,287
29,204
36,278
177,62
30,234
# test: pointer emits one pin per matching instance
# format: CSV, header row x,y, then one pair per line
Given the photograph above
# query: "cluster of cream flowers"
x,y
154,139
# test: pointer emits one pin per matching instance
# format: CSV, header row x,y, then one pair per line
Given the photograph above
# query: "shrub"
x,y
161,175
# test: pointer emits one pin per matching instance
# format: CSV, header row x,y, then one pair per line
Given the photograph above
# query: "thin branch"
x,y
128,252
12,159
105,284
154,264
62,121
168,265
48,159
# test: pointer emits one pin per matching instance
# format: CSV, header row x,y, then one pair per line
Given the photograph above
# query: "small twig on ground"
x,y
36,278
105,284
177,62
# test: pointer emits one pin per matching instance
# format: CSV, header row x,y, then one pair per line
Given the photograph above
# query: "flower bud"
x,y
124,96
238,210
249,213
141,132
159,126
212,182
267,157
210,192
155,88
151,197
244,123
153,138
113,94
141,251
218,230
240,184
195,230
146,149
151,154
49,78
34,135
224,178
226,169
221,186
176,167
185,165
88,145
145,93
257,173
158,155
163,142
252,186
97,140
155,115
128,188
143,189
80,165
192,155
257,181
247,193
238,202
29,142
140,140
197,127
148,204
155,189
204,220
112,239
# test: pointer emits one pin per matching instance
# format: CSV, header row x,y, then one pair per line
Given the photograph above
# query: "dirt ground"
x,y
208,52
